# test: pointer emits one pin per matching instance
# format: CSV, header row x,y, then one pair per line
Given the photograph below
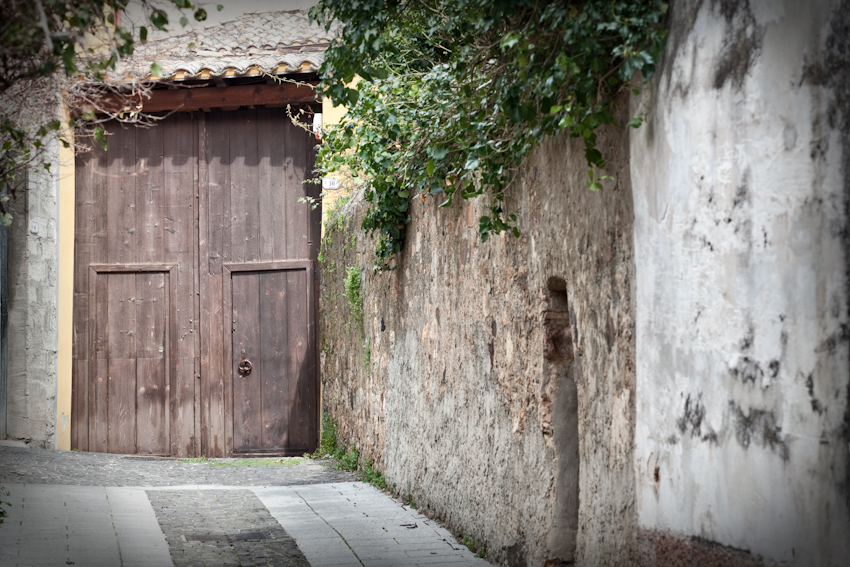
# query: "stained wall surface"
x,y
740,180
31,362
494,381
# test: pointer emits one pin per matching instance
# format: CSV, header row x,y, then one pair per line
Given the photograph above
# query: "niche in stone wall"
x,y
559,378
557,335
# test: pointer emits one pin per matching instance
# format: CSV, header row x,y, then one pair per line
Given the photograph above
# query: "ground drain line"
x,y
114,529
331,527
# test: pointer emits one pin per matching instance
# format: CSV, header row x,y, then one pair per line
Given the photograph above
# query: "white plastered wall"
x,y
741,243
31,380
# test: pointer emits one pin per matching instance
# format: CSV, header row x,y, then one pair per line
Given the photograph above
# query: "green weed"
x,y
478,550
354,294
347,461
327,441
202,459
282,462
411,502
372,475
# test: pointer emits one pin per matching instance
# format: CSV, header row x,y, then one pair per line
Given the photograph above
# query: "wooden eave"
x,y
209,96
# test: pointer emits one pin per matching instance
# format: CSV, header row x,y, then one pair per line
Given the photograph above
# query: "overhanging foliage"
x,y
455,93
50,48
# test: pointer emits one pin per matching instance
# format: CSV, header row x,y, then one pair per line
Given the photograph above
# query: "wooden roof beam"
x,y
211,97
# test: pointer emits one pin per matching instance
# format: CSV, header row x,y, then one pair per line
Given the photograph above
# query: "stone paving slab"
x,y
46,466
55,525
352,523
95,509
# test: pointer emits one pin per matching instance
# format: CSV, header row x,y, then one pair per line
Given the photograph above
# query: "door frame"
x,y
227,310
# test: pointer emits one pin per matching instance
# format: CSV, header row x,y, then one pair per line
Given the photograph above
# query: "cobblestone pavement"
x,y
222,527
45,466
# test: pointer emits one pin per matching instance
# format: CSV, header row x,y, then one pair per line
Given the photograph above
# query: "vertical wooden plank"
x,y
83,212
179,176
182,413
217,179
214,249
150,196
121,315
297,214
204,268
90,247
226,360
121,197
151,408
121,404
99,369
99,425
275,352
121,325
247,432
300,377
79,405
152,390
270,185
151,300
197,125
120,291
244,200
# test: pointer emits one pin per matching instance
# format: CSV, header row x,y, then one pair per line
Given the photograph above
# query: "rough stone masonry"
x,y
657,373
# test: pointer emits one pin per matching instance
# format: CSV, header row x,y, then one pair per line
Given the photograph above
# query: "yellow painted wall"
x,y
66,291
332,115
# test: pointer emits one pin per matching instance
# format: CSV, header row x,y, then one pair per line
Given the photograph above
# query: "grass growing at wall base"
x,y
279,462
478,550
346,460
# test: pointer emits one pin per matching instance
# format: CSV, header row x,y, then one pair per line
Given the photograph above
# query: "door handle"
x,y
245,367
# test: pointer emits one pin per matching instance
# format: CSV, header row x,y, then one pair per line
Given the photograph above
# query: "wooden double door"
x,y
194,290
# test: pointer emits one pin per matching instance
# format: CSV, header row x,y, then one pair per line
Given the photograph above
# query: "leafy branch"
x,y
455,94
52,50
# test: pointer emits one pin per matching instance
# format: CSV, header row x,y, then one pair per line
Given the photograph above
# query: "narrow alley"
x,y
93,509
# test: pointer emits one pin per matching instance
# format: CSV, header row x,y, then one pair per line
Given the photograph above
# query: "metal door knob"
x,y
245,367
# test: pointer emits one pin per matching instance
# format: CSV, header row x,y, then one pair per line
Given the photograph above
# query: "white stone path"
x,y
339,524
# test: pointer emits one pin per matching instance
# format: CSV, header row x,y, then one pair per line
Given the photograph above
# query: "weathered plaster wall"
x,y
740,180
500,384
31,378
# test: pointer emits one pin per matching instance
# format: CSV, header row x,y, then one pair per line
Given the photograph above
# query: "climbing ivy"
x,y
453,94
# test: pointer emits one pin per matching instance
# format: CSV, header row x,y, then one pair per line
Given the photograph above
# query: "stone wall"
x,y
32,287
498,390
740,180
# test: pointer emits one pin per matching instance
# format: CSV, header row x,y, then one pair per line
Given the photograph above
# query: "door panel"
x,y
247,394
159,214
131,377
274,403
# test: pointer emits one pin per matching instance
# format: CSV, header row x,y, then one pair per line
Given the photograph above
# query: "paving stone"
x,y
233,526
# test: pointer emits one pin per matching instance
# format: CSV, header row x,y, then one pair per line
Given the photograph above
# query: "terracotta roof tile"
x,y
273,42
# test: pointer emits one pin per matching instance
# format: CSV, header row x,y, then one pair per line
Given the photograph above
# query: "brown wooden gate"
x,y
179,229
